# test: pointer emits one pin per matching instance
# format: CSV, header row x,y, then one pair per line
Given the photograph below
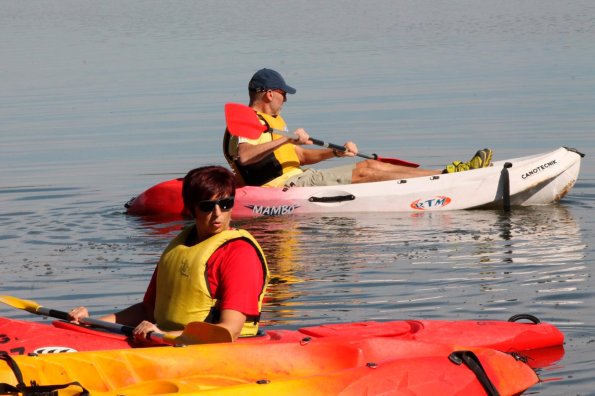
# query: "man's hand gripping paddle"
x,y
242,121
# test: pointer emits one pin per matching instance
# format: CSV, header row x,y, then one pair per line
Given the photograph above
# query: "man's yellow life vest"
x,y
273,169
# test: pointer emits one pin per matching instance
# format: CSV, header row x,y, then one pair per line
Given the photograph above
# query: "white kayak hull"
x,y
532,180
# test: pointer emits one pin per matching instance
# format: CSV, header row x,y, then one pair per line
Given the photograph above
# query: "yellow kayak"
x,y
371,366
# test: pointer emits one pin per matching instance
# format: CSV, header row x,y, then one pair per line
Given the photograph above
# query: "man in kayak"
x,y
209,272
275,160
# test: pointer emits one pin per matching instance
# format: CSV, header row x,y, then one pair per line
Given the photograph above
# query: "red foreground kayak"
x,y
23,337
410,357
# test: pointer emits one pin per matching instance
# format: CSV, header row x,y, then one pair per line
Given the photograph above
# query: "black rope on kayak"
x,y
506,186
33,389
516,318
472,362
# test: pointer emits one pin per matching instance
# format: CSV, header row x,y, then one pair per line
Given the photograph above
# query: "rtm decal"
x,y
280,210
439,201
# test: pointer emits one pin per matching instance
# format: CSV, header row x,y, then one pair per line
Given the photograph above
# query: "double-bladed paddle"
x,y
194,332
242,121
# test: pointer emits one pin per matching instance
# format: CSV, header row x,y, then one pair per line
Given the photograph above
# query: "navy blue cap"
x,y
266,79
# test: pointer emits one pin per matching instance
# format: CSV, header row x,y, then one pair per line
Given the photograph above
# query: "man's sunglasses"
x,y
224,203
280,91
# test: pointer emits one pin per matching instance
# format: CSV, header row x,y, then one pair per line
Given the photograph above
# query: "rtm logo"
x,y
439,201
280,210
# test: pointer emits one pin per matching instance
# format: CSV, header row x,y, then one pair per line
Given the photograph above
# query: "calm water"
x,y
100,100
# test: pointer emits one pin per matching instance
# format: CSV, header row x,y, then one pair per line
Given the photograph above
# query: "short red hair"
x,y
206,182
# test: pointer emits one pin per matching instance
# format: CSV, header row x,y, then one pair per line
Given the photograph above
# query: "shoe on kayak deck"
x,y
481,159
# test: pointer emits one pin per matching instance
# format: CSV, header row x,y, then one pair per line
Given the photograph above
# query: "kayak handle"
x,y
516,318
337,198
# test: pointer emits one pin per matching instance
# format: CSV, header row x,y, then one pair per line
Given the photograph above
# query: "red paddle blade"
x,y
396,161
242,121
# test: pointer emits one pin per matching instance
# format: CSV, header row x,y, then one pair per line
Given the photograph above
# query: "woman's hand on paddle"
x,y
78,313
142,332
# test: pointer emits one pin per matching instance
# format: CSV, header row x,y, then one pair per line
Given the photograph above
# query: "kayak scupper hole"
x,y
305,340
263,381
372,365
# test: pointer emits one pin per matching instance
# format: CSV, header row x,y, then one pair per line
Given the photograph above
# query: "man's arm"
x,y
252,153
313,156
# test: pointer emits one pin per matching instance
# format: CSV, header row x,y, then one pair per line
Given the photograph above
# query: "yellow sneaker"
x,y
481,159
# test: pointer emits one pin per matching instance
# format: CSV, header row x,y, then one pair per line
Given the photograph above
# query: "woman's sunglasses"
x,y
224,203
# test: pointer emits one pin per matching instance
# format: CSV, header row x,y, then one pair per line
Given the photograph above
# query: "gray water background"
x,y
101,100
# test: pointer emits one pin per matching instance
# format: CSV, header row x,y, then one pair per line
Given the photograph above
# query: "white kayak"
x,y
532,180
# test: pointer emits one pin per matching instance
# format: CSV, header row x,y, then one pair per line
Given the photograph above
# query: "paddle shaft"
x,y
102,324
115,327
321,143
242,121
194,333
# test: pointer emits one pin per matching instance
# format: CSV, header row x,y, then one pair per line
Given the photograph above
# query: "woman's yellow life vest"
x,y
272,170
183,292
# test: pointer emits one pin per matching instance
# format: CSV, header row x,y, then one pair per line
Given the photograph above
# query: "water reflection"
x,y
162,226
280,240
432,264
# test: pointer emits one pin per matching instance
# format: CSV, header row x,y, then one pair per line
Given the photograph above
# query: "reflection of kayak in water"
x,y
532,180
425,357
